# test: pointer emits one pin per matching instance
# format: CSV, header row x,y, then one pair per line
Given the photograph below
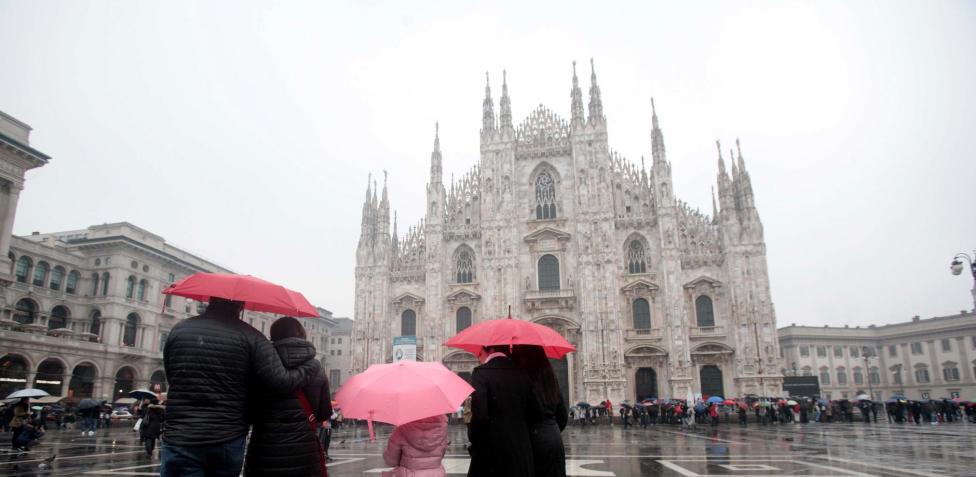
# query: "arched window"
x,y
96,323
59,318
130,286
841,376
464,269
704,312
94,279
40,274
636,262
545,197
57,276
23,268
105,278
463,319
824,377
408,323
71,286
548,273
131,326
642,314
26,312
142,290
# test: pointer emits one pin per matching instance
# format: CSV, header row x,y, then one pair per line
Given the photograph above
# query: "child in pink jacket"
x,y
416,448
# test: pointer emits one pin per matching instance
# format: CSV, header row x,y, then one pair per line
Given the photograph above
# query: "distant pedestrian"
x,y
153,417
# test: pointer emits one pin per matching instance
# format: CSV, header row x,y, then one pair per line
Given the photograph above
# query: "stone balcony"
x,y
707,331
559,299
644,335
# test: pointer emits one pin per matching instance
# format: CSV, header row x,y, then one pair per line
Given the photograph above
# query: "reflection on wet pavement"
x,y
808,449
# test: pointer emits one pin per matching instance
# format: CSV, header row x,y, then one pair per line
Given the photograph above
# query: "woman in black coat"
x,y
153,416
282,441
548,453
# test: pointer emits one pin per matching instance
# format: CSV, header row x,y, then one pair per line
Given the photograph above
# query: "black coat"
x,y
212,362
502,406
282,442
548,452
153,417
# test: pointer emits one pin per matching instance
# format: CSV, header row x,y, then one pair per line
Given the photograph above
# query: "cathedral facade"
x,y
659,299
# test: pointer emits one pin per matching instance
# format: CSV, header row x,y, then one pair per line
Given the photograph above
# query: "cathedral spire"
x,y
436,166
385,202
577,100
658,153
505,105
596,103
714,206
395,239
488,109
721,162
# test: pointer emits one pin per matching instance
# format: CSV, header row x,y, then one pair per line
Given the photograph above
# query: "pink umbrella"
x,y
402,392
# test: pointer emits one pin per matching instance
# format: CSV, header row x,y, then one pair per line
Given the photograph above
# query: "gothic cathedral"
x,y
659,299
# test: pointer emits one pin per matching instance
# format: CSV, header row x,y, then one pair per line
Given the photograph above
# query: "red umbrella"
x,y
510,332
257,294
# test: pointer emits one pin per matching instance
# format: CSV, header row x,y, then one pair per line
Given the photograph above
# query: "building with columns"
x,y
81,311
920,359
658,298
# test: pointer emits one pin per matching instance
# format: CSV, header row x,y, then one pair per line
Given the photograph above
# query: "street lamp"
x,y
957,267
866,354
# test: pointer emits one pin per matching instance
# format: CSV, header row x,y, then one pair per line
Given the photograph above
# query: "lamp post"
x,y
866,354
957,266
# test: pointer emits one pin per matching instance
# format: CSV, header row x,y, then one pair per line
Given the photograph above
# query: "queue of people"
x,y
765,411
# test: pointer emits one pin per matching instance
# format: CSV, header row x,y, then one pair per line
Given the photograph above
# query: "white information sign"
x,y
404,348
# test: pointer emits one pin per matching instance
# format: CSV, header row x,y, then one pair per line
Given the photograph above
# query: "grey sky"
x,y
245,131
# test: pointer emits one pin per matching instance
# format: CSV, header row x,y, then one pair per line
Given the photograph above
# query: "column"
x,y
65,382
12,194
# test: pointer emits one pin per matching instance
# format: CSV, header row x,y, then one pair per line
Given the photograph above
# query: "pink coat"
x,y
416,448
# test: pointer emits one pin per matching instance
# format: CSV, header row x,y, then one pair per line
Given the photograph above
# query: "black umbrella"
x,y
583,404
88,404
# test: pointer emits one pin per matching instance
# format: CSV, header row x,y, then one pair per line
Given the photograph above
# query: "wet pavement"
x,y
792,449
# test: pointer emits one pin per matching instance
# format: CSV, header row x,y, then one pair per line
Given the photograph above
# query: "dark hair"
x,y
498,349
533,359
286,327
223,307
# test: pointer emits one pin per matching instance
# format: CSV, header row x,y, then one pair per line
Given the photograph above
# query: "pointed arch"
x,y
464,264
635,254
545,181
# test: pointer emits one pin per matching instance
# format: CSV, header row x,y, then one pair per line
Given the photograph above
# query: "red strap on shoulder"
x,y
313,423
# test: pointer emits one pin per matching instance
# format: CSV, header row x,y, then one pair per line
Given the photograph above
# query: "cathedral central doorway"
x,y
711,381
561,369
645,383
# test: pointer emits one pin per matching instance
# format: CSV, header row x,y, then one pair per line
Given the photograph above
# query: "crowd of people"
x,y
765,411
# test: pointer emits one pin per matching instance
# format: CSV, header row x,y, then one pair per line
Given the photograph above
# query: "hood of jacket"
x,y
294,351
426,434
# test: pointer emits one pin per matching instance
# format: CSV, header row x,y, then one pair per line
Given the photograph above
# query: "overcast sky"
x,y
245,131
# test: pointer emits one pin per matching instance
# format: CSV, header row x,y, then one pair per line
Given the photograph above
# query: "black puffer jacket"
x,y
282,442
213,363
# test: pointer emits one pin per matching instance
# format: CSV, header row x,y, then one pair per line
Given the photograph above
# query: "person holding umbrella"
x,y
153,417
282,442
503,405
213,363
548,453
18,424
